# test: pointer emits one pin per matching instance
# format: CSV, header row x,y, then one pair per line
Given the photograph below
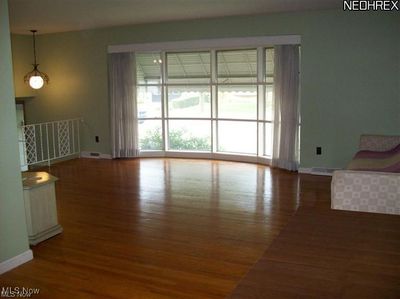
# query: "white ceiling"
x,y
48,16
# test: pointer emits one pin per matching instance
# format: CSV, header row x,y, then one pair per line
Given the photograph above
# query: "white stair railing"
x,y
45,142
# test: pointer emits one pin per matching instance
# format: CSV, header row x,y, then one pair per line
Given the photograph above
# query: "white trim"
x,y
323,171
204,155
304,170
16,261
207,44
318,170
190,155
86,154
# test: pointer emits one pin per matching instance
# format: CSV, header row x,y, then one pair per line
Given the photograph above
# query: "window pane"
x,y
189,101
186,68
238,66
237,137
149,101
269,65
268,135
148,68
150,135
236,101
189,135
269,102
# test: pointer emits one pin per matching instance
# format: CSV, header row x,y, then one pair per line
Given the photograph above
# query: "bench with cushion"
x,y
372,182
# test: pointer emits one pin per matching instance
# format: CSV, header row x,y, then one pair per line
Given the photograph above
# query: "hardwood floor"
x,y
165,228
329,254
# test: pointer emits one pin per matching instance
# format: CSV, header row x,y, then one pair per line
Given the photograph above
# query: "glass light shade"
x,y
36,82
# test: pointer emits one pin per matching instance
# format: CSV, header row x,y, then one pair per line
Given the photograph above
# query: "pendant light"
x,y
35,78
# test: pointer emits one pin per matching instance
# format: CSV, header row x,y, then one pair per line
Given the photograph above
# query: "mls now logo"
x,y
364,5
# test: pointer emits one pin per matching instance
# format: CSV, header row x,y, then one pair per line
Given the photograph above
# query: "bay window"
x,y
217,101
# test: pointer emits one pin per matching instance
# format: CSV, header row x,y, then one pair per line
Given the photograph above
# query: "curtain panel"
x,y
124,124
285,152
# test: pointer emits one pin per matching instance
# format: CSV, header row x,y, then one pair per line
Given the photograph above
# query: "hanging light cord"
x,y
34,45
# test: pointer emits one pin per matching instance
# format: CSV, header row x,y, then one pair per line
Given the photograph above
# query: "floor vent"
x,y
95,154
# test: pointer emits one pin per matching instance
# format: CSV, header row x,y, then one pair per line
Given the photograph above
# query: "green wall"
x,y
13,234
349,74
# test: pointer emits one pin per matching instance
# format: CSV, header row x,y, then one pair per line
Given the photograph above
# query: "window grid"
x,y
261,83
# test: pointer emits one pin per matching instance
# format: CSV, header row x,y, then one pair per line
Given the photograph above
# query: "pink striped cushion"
x,y
387,161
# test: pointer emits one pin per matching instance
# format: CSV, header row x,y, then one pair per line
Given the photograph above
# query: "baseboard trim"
x,y
95,155
318,170
16,261
48,233
304,170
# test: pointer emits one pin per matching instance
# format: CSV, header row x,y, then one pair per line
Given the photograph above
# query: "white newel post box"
x,y
40,206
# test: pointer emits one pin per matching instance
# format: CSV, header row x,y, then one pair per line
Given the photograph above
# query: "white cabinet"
x,y
40,206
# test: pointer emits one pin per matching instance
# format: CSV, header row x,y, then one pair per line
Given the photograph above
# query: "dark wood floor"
x,y
171,228
329,254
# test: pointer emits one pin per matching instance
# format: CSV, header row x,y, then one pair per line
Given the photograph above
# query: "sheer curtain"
x,y
286,121
124,124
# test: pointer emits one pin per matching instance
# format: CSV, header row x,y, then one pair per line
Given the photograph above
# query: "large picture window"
x,y
216,98
217,101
